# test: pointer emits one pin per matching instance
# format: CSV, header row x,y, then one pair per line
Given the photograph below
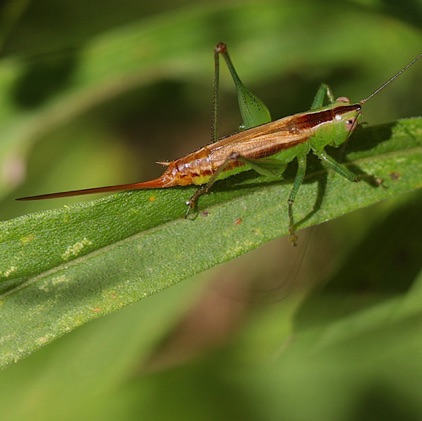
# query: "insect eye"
x,y
350,123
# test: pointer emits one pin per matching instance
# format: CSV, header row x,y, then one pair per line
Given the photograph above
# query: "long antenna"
x,y
391,79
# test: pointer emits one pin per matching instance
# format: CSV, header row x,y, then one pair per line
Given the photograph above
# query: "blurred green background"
x,y
94,93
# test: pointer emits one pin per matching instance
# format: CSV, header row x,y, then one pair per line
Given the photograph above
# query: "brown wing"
x,y
262,141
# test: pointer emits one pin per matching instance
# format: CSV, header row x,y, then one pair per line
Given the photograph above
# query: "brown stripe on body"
x,y
312,120
198,165
299,128
255,143
265,152
194,165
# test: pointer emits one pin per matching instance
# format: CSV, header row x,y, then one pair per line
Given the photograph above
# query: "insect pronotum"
x,y
261,144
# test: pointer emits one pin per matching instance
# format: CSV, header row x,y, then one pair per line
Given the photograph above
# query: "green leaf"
x,y
45,93
64,267
348,349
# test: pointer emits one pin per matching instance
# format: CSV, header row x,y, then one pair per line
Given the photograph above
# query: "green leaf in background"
x,y
92,95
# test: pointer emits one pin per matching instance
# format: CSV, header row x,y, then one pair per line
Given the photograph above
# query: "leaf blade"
x,y
64,267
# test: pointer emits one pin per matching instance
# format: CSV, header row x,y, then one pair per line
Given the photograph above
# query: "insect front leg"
x,y
331,163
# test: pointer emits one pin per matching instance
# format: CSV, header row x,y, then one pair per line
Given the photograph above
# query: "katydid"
x,y
261,144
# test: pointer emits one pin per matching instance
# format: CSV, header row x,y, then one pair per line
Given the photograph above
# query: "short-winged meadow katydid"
x,y
261,144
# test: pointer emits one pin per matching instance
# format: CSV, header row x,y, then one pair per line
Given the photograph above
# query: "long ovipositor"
x,y
263,146
259,142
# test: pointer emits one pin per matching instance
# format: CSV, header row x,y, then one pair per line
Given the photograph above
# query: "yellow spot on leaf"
x,y
27,239
9,271
75,249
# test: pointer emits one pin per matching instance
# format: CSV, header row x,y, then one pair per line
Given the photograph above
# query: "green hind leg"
x,y
323,91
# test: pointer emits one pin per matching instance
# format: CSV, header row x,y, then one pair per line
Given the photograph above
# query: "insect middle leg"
x,y
300,175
